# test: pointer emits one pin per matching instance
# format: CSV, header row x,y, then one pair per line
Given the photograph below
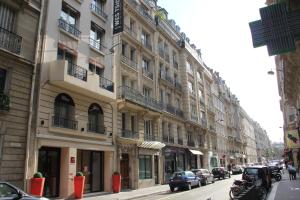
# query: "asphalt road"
x,y
215,191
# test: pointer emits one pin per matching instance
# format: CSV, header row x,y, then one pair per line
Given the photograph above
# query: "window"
x,y
177,103
123,121
96,36
98,4
63,54
169,98
146,64
95,69
145,167
132,118
189,136
132,54
161,95
64,112
190,86
69,15
148,127
124,47
132,25
146,92
189,68
200,94
145,39
199,76
8,192
8,17
96,119
2,80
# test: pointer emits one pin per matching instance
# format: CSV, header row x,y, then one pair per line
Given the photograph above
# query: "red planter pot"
x,y
78,186
116,183
37,186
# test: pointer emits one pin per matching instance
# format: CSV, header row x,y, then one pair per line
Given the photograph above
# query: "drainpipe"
x,y
32,95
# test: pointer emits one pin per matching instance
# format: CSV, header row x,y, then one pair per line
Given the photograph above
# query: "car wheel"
x,y
189,186
172,189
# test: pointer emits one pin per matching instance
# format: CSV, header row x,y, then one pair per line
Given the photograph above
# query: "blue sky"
x,y
221,30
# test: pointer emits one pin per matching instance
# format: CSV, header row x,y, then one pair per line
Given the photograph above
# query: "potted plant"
x,y
116,182
37,184
79,185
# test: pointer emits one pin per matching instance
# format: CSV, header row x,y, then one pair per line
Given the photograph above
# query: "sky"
x,y
221,30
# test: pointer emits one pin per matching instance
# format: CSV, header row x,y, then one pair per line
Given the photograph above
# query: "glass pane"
x,y
7,191
142,166
2,79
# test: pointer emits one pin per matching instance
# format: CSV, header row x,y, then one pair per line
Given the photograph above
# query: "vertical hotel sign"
x,y
118,18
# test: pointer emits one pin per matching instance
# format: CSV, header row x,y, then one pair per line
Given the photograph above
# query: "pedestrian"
x,y
292,171
229,168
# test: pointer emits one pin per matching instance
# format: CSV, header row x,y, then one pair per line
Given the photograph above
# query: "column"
x,y
67,172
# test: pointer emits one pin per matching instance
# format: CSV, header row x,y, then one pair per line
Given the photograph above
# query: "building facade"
x,y
19,25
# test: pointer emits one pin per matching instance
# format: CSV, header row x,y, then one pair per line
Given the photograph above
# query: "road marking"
x,y
273,191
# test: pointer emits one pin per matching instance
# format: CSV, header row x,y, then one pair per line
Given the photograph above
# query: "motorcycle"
x,y
239,186
275,172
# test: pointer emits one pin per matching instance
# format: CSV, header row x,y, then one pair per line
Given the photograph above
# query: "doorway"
x,y
91,163
124,166
156,170
49,166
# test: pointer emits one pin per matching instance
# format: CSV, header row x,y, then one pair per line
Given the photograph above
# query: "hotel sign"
x,y
292,139
118,17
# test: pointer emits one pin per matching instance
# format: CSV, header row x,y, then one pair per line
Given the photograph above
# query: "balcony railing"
x,y
106,84
98,11
129,134
148,17
178,85
70,28
191,143
77,71
130,31
180,141
4,102
96,44
95,128
136,97
64,123
161,52
150,137
128,62
10,41
147,73
175,64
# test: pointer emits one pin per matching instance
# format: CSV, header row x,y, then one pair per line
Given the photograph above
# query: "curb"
x,y
145,195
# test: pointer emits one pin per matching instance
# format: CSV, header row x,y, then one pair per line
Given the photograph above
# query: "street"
x,y
216,191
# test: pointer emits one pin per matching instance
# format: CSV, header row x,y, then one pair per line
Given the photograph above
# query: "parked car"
x,y
237,169
11,192
204,175
260,175
220,172
184,180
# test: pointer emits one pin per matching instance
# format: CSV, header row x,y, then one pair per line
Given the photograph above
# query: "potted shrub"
x,y
37,184
116,182
79,185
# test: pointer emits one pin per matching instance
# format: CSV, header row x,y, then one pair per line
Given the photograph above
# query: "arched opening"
x,y
64,112
96,119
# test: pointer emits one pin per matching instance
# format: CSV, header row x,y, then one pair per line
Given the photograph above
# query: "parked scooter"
x,y
275,172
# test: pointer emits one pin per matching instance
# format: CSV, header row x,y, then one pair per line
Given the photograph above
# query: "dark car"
x,y
184,180
259,174
204,175
10,192
220,172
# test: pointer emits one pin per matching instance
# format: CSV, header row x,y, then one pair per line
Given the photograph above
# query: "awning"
x,y
195,152
151,145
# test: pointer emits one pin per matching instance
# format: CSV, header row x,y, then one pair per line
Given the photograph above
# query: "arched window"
x,y
64,112
96,119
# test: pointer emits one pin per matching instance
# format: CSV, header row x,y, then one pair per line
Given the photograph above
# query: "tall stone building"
x,y
19,25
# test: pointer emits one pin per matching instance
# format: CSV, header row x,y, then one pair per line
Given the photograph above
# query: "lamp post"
x,y
271,72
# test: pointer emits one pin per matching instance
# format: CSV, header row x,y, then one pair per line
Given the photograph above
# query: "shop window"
x,y
96,119
145,167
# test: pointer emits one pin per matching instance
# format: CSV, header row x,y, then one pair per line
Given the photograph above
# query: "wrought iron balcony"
x,y
4,102
191,143
128,62
77,71
98,11
10,41
147,16
178,85
170,108
70,28
95,128
130,31
64,123
147,73
167,57
150,137
106,84
180,141
161,52
129,134
135,96
96,44
175,64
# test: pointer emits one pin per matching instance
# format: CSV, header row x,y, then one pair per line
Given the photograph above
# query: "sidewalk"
x,y
130,194
285,189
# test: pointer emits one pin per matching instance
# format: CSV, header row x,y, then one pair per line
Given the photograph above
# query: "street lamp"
x,y
271,72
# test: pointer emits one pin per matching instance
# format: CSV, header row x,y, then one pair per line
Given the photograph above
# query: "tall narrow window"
x,y
146,64
2,80
123,121
147,92
7,18
96,36
64,112
132,123
145,167
96,119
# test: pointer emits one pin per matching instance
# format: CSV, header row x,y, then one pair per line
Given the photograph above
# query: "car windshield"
x,y
178,174
251,171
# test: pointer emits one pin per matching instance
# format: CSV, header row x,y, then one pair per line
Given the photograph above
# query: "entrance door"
x,y
156,171
49,166
124,166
